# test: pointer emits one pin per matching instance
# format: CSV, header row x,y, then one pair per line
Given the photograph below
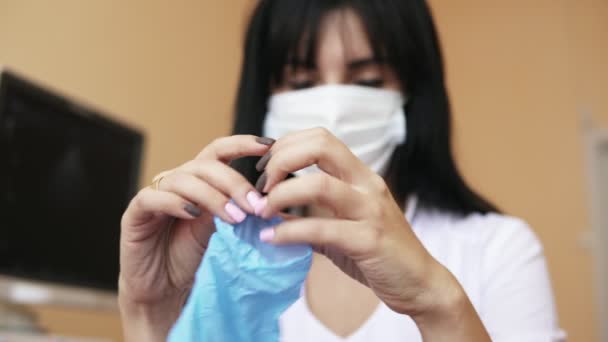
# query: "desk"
x,y
64,311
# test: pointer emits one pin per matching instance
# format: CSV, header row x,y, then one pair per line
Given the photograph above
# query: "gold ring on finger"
x,y
159,177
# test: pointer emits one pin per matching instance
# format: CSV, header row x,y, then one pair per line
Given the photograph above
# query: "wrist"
x,y
449,315
442,295
147,320
445,305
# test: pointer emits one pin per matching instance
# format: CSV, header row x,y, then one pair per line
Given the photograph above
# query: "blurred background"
x,y
528,81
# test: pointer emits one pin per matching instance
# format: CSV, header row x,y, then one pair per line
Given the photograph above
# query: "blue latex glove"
x,y
242,286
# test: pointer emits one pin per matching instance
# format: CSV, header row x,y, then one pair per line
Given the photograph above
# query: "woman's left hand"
x,y
368,236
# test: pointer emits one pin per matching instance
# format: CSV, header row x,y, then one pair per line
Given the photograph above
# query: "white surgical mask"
x,y
370,121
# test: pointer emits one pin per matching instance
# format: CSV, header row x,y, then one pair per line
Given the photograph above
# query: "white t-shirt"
x,y
498,261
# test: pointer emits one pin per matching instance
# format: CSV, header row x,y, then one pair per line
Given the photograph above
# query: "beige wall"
x,y
169,68
518,73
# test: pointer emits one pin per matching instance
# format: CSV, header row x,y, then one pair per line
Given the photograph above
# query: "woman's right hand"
x,y
164,233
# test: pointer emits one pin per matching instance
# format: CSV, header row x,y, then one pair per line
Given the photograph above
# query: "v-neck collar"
x,y
410,213
354,336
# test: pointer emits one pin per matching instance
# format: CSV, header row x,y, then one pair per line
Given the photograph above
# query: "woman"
x,y
370,73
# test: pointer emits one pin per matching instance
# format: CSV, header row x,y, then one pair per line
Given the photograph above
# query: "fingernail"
x,y
192,210
261,165
235,212
253,198
265,141
261,183
260,206
267,234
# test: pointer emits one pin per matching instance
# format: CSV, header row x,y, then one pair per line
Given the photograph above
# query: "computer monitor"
x,y
67,173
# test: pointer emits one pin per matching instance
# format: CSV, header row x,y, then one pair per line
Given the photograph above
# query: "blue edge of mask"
x,y
242,286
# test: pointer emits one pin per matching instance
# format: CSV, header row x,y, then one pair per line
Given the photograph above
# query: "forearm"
x,y
453,318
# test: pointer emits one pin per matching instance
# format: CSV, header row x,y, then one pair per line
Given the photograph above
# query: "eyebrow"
x,y
363,62
352,65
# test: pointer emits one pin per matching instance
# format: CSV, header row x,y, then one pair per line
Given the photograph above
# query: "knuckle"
x,y
279,166
323,236
139,200
239,149
372,239
320,149
125,218
321,186
140,193
241,187
275,163
378,184
218,141
324,135
208,150
169,182
323,132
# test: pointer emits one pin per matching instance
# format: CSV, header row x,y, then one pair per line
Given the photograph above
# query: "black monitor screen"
x,y
66,175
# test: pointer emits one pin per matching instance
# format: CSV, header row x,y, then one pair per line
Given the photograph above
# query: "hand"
x,y
165,232
368,236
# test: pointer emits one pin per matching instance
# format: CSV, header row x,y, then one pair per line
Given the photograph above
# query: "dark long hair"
x,y
402,33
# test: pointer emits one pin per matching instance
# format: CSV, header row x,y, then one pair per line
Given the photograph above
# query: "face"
x,y
344,56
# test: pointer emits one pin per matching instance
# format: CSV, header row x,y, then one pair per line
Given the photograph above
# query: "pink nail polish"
x,y
267,234
260,206
235,212
253,198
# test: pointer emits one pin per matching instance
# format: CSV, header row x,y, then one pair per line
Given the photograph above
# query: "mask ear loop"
x,y
398,130
410,211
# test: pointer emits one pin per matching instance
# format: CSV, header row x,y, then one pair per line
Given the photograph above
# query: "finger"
x,y
204,195
318,189
233,147
295,137
285,141
322,149
351,238
148,203
226,180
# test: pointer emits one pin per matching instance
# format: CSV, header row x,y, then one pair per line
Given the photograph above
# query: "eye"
x,y
372,83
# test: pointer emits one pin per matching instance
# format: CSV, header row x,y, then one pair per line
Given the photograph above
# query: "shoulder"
x,y
491,232
479,246
499,261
